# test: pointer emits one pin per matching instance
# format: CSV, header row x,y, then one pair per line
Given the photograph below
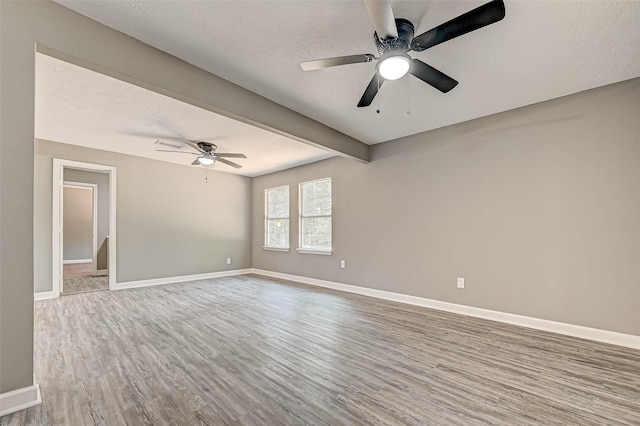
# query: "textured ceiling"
x,y
541,50
81,107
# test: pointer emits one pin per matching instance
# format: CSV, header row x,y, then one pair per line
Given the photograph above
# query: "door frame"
x,y
94,219
59,165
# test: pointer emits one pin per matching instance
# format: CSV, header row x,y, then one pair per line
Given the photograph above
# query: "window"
x,y
315,216
276,218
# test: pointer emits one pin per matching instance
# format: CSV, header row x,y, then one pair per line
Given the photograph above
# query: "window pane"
x,y
316,198
316,233
326,205
316,207
277,233
324,225
324,241
308,241
306,187
277,214
315,223
306,192
271,210
281,210
323,188
271,196
307,205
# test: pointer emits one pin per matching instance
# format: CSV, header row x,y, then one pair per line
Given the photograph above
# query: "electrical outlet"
x,y
460,282
343,264
228,261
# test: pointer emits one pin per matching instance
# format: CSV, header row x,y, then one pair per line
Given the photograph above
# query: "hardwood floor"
x,y
82,284
77,269
250,350
79,278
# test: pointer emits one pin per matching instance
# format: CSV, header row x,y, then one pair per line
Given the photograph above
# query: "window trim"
x,y
311,251
268,248
307,250
267,218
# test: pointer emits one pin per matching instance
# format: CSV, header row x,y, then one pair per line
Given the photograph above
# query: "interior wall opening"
x,y
83,224
85,231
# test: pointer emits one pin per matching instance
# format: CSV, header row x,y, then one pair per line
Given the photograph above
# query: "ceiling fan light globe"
x,y
394,67
206,161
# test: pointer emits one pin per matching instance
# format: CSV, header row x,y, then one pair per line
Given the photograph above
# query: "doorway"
x,y
84,249
80,238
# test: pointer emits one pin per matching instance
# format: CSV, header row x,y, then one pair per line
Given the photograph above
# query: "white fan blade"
x,y
194,146
230,155
229,163
177,152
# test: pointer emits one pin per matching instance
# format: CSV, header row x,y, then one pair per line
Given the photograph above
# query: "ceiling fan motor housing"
x,y
394,61
405,35
206,146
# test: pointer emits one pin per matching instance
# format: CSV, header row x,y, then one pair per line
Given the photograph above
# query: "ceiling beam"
x,y
145,66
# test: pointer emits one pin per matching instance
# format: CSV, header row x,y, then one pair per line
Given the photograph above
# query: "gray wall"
x,y
102,182
537,208
77,223
58,31
169,221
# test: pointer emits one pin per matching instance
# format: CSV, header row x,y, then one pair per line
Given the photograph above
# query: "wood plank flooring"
x,y
81,284
79,278
249,350
77,269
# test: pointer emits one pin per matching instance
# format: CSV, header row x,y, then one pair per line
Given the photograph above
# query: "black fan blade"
x,y
371,91
230,155
229,163
432,76
474,19
334,62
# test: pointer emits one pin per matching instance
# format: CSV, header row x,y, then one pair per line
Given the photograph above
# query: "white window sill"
x,y
276,248
311,251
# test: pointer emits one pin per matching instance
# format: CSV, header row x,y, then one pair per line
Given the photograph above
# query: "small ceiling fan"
x,y
394,38
207,154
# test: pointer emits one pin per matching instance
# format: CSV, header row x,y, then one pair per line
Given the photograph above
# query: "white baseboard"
x,y
68,262
20,399
605,336
102,272
179,279
43,295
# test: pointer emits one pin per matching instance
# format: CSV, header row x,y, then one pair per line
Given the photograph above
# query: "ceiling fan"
x,y
394,38
207,154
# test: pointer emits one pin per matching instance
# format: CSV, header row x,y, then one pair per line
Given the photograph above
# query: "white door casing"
x,y
57,225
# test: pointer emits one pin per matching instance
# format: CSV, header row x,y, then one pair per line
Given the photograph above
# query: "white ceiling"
x,y
81,107
541,50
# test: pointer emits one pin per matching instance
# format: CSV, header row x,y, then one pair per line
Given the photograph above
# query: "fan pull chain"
x,y
206,174
408,95
378,93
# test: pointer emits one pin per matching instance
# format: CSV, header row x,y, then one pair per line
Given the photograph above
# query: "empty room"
x,y
320,212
